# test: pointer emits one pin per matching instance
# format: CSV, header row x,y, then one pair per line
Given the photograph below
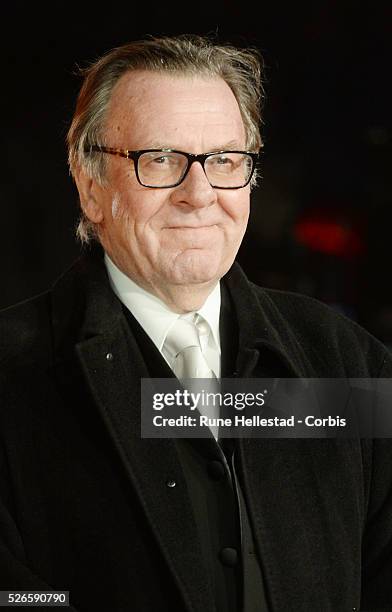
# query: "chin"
x,y
195,267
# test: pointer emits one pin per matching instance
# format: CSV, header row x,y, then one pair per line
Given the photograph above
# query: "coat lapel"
x,y
112,366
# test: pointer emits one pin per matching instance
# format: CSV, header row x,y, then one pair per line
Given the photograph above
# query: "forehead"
x,y
150,109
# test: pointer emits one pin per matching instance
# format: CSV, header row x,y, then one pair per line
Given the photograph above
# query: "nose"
x,y
195,190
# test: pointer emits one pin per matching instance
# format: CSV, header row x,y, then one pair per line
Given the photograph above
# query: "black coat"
x,y
84,502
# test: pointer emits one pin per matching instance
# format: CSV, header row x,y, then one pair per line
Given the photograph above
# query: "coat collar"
x,y
84,301
262,328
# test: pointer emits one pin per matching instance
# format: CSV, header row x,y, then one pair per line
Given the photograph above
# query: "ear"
x,y
90,194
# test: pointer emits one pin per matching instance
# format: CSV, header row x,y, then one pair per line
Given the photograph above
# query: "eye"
x,y
164,160
222,160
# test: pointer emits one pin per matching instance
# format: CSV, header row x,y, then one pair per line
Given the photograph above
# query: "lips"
x,y
191,226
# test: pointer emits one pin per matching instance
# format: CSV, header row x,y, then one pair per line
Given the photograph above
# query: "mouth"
x,y
190,227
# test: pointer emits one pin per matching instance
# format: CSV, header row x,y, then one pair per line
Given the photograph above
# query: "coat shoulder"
x,y
25,331
299,308
324,331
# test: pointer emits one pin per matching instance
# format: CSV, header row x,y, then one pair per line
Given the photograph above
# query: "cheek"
x,y
122,208
117,209
135,218
237,207
127,199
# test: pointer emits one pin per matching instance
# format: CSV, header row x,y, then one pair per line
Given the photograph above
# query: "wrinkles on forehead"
x,y
154,110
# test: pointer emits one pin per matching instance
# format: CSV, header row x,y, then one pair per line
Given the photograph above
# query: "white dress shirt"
x,y
156,318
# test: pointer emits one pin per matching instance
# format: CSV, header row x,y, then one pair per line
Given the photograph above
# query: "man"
x,y
163,146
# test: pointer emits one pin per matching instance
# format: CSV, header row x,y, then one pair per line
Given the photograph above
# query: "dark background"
x,y
322,214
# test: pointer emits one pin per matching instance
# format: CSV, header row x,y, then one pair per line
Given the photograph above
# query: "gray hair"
x,y
241,69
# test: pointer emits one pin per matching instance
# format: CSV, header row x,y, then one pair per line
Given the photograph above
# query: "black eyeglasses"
x,y
163,168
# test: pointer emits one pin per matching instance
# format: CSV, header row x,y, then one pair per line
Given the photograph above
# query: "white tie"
x,y
182,346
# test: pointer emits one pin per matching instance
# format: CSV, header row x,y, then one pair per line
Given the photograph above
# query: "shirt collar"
x,y
153,314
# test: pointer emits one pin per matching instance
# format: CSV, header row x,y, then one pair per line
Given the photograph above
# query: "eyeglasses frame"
x,y
191,157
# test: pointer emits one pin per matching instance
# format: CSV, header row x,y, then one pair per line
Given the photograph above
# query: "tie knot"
x,y
182,335
183,347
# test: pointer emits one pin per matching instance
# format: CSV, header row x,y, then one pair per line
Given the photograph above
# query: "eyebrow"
x,y
231,145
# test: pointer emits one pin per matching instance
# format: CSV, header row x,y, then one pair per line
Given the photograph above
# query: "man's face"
x,y
179,237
